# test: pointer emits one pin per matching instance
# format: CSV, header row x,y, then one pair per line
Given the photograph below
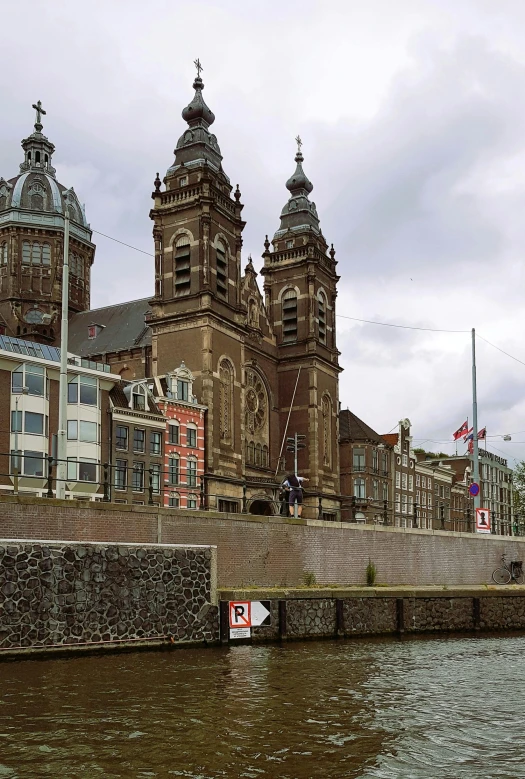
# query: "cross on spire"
x,y
199,67
39,112
299,144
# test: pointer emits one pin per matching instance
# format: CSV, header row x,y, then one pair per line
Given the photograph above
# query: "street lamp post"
x,y
16,469
61,472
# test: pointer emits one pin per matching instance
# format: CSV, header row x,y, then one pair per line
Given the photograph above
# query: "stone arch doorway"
x,y
261,507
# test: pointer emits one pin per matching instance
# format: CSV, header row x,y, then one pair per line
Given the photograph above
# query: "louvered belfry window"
x,y
222,271
290,315
321,311
182,266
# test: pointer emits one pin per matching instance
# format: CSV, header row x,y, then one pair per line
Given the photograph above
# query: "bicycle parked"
x,y
505,574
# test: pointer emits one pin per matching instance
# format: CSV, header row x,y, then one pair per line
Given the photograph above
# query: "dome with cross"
x,y
35,190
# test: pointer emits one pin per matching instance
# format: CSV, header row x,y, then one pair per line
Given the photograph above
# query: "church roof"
x,y
120,327
35,188
351,428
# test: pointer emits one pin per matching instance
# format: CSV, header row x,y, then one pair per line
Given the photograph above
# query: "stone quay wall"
x,y
66,595
299,614
272,551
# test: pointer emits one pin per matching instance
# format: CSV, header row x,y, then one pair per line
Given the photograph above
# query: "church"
x,y
264,364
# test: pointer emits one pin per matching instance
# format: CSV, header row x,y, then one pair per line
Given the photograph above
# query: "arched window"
x,y
265,462
321,316
37,157
191,471
258,454
191,435
3,253
326,408
26,253
174,469
174,500
251,452
181,269
226,402
222,270
289,315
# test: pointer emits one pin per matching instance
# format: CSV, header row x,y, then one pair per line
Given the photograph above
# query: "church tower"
x,y
197,307
32,208
300,283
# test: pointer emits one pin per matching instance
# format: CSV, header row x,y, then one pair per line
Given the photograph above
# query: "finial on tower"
x,y
299,143
199,67
237,193
39,113
332,251
157,183
266,244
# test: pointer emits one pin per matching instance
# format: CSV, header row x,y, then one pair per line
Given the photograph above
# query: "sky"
x,y
413,128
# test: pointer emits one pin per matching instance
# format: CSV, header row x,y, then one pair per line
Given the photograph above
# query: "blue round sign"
x,y
474,489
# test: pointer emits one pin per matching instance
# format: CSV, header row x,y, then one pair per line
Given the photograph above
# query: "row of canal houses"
x,y
131,442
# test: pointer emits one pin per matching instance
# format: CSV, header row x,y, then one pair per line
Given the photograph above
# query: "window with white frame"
x,y
83,390
191,472
81,469
174,469
404,504
418,480
359,459
398,479
398,502
191,436
411,483
404,481
173,432
121,475
191,501
31,376
137,476
174,500
359,488
405,460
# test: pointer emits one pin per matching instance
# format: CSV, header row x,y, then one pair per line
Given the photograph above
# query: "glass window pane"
x,y
138,477
34,423
191,435
17,380
72,429
34,383
72,390
139,438
87,470
173,471
121,473
88,394
88,432
72,468
155,478
33,463
121,437
174,433
182,390
155,442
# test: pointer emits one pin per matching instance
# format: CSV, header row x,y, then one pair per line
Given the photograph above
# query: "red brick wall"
x,y
271,550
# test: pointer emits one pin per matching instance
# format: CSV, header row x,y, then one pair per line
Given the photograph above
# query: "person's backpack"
x,y
294,482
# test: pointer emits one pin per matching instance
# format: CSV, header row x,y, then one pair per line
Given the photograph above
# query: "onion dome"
x,y
35,190
197,145
197,110
299,213
299,182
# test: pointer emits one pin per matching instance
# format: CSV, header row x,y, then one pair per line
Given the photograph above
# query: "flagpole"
x,y
477,499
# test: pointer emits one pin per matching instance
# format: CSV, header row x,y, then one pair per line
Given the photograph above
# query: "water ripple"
x,y
412,709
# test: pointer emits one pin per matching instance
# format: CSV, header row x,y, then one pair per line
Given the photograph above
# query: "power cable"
x,y
500,350
402,327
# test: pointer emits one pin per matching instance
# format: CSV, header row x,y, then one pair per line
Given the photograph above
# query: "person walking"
x,y
295,485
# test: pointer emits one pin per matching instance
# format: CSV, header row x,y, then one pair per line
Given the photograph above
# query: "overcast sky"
x,y
412,115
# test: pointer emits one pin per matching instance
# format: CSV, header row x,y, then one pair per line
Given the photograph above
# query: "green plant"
x,y
309,579
371,573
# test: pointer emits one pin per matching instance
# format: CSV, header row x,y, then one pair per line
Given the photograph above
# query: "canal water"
x,y
413,709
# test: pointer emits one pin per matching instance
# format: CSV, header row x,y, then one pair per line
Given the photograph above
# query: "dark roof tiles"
x,y
123,328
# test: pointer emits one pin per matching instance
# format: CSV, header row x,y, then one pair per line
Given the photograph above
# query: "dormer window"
x,y
138,398
94,330
289,244
183,181
182,389
37,157
180,384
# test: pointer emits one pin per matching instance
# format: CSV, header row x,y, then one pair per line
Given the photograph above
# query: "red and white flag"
x,y
461,431
482,434
469,435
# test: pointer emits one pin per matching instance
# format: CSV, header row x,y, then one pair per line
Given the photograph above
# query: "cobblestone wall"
x,y
70,593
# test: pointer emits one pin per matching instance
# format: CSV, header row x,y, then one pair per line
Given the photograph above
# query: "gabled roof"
x,y
123,328
351,428
391,438
119,399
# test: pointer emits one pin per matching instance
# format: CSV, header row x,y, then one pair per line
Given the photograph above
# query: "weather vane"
x,y
299,143
199,67
39,112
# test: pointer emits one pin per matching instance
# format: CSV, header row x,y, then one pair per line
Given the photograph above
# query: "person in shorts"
x,y
295,485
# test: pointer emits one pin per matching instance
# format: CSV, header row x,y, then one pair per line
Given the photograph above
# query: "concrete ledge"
x,y
315,593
